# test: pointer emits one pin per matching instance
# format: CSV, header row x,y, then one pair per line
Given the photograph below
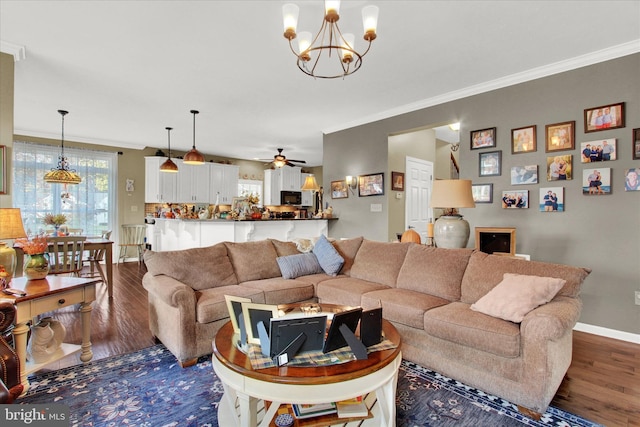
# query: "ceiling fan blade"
x,y
297,161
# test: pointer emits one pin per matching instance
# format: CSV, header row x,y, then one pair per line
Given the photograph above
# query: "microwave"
x,y
291,197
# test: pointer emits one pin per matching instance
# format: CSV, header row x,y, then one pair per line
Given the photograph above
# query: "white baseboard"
x,y
606,332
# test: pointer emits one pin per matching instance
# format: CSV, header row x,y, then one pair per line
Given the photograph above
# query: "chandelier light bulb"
x,y
332,10
290,13
347,47
304,42
370,21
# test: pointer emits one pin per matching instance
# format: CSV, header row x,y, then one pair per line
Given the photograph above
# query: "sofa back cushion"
x,y
347,248
379,262
485,271
253,260
284,248
434,271
199,268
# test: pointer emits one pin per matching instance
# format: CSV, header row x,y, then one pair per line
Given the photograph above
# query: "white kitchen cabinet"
x,y
159,187
224,183
193,183
286,178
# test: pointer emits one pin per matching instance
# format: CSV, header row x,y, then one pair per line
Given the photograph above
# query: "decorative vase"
x,y
36,266
56,227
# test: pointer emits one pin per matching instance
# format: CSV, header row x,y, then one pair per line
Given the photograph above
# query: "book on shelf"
x,y
302,411
352,408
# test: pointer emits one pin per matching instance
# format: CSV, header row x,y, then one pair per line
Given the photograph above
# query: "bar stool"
x,y
132,235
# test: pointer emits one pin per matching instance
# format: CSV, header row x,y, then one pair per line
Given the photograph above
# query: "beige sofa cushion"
x,y
434,271
517,295
485,271
402,305
345,290
199,268
284,248
457,323
347,248
211,304
282,291
253,260
379,262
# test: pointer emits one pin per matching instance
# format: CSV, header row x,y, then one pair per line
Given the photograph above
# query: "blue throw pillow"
x,y
328,257
292,266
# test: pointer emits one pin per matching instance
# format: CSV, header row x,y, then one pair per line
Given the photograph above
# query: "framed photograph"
x,y
483,138
397,181
560,136
560,168
482,193
234,305
255,313
598,151
636,144
524,175
523,140
3,170
515,199
604,117
596,182
552,199
632,179
496,240
490,163
236,203
339,189
371,185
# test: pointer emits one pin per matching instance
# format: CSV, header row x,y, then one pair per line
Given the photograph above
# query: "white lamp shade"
x,y
370,18
452,193
290,13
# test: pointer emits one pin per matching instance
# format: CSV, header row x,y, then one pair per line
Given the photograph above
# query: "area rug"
x,y
148,388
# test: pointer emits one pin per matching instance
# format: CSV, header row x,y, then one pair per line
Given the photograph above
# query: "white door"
x,y
418,181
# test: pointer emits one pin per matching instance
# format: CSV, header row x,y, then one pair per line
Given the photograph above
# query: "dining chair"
x,y
65,254
132,235
95,258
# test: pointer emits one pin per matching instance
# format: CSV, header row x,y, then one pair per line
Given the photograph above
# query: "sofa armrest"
x,y
169,290
551,321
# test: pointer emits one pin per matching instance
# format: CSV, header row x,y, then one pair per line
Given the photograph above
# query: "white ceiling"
x,y
127,69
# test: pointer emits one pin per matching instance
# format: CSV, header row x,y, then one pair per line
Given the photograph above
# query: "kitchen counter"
x,y
174,234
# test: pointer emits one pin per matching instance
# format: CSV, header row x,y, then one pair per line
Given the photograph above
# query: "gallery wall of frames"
x,y
540,185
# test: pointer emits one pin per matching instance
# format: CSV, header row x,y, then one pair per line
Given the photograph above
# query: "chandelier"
x,y
328,42
62,174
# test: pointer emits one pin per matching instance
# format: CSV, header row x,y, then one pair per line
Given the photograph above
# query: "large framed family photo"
x,y
483,138
604,117
560,136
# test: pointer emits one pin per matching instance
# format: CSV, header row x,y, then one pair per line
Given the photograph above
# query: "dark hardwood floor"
x,y
602,385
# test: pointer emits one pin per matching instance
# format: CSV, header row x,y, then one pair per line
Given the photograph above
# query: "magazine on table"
x,y
352,408
305,410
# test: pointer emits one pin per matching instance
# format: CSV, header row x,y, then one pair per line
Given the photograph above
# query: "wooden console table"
x,y
46,295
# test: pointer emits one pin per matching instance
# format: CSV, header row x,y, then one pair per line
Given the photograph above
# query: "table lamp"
x,y
10,228
451,230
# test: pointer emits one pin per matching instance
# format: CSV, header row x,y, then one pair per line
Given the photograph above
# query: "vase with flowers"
x,y
56,220
36,262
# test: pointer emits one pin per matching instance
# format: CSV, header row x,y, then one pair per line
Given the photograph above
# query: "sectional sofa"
x,y
499,324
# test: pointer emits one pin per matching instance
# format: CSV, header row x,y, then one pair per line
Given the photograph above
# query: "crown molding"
x,y
18,51
78,139
591,58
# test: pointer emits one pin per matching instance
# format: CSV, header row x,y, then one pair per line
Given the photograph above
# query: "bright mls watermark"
x,y
34,415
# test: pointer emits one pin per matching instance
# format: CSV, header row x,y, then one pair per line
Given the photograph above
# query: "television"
x,y
496,240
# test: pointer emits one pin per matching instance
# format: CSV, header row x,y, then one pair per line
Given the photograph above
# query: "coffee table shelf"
x,y
322,420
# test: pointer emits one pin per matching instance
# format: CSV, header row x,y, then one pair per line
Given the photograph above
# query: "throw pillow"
x,y
328,257
517,295
292,266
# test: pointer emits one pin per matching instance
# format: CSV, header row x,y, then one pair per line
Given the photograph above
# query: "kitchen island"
x,y
174,234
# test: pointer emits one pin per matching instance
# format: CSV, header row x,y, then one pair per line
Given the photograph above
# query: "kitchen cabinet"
x,y
159,187
193,183
283,179
307,196
224,183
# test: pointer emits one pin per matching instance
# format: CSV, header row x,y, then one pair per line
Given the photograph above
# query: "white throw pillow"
x,y
517,295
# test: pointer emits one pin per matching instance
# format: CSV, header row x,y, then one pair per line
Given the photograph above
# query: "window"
x,y
90,205
250,186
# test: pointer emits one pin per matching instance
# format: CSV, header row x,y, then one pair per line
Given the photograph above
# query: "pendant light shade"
x,y
168,165
310,184
62,174
194,157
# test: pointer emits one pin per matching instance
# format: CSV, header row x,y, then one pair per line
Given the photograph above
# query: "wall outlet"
x,y
637,297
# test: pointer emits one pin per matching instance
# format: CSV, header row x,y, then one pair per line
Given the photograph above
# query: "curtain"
x,y
89,206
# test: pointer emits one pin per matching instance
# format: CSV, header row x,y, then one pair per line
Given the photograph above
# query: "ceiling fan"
x,y
279,160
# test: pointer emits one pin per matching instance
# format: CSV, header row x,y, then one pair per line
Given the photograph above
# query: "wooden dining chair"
x,y
94,259
65,254
132,235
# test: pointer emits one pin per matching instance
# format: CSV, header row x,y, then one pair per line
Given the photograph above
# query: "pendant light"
x,y
62,174
168,165
194,157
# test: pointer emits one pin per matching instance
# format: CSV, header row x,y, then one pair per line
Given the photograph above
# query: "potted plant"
x,y
56,220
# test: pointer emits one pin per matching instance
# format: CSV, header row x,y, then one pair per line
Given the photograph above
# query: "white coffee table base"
x,y
242,402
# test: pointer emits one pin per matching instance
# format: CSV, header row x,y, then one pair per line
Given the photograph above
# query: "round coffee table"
x,y
246,389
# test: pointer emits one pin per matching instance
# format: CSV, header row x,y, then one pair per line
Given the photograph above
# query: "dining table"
x,y
91,244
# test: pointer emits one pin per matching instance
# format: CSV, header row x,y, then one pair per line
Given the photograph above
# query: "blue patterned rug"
x,y
148,388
